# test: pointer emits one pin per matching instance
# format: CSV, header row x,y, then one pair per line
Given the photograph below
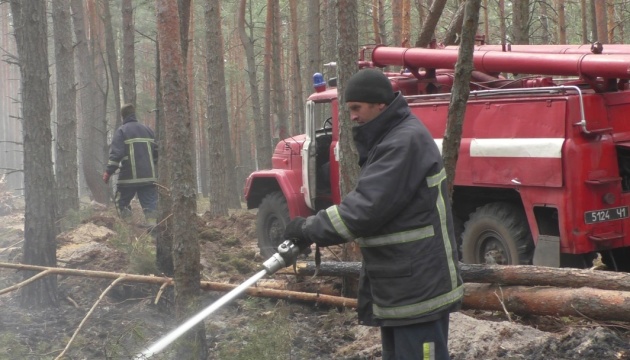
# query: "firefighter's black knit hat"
x,y
370,86
126,110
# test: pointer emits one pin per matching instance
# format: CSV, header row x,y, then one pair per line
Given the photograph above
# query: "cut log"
x,y
284,294
332,268
529,275
525,275
591,303
316,286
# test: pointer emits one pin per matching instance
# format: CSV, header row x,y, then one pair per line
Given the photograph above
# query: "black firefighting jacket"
x,y
400,216
134,151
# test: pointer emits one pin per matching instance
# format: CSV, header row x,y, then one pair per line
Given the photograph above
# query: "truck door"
x,y
309,156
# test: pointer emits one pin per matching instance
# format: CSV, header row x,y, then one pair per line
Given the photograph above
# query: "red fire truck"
x,y
543,175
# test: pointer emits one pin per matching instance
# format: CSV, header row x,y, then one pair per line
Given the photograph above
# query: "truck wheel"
x,y
497,233
273,217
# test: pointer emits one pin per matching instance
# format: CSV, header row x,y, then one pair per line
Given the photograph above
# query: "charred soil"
x,y
127,319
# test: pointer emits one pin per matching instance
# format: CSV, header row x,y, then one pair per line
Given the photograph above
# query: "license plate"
x,y
591,217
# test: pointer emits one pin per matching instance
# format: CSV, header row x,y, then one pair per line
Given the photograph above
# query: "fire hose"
x,y
286,256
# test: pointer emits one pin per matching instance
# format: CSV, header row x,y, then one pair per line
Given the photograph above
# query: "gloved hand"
x,y
106,177
295,233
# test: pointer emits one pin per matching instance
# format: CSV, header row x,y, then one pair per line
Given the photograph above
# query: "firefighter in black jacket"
x,y
134,151
399,214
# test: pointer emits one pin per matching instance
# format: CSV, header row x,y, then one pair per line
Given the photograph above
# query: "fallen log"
x,y
165,281
594,304
316,286
525,275
285,294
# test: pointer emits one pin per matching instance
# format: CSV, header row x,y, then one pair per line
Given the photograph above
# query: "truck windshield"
x,y
321,116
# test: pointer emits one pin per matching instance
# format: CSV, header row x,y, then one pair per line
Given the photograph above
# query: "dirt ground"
x,y
127,320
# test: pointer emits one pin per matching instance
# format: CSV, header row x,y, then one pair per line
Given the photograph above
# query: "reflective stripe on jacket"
x,y
400,216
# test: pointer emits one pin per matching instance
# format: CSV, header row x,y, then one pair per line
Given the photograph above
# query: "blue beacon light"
x,y
318,82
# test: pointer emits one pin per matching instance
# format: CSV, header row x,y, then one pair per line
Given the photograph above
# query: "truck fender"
x,y
264,182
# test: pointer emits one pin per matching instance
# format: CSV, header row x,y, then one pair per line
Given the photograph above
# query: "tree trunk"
x,y
544,24
610,15
584,21
375,22
183,190
330,34
186,18
520,21
296,77
406,23
562,27
112,62
502,26
428,27
93,147
382,28
128,53
486,22
396,22
267,70
454,31
593,19
460,92
313,46
217,111
602,27
30,27
164,241
263,138
583,302
278,93
348,49
66,147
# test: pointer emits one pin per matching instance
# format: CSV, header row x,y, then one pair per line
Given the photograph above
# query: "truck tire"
x,y
497,233
272,219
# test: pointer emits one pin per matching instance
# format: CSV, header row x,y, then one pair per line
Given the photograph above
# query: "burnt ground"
x,y
127,319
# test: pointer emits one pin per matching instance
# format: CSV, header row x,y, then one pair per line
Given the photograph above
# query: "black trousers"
x,y
147,194
423,341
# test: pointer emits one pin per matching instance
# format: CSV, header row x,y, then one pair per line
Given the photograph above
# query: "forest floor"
x,y
126,320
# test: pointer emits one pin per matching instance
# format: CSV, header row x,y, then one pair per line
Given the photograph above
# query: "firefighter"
x,y
134,151
400,216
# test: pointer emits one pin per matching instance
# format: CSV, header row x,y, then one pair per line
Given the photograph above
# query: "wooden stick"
x,y
88,315
27,281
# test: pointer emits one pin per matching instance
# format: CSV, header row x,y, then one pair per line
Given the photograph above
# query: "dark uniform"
x,y
134,151
400,216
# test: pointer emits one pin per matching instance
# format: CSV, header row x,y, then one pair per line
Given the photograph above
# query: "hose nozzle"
x,y
286,256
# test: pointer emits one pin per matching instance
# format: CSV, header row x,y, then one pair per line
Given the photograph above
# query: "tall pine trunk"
x,y
186,255
93,145
263,138
66,146
217,111
128,53
348,35
30,29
